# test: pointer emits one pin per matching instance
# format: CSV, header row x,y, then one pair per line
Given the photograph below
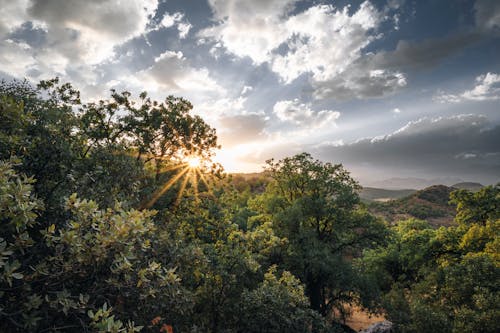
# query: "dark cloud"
x,y
426,53
361,80
462,146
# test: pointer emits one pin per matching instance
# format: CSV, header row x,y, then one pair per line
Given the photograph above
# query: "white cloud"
x,y
88,31
447,98
396,110
324,42
249,28
172,74
246,89
487,88
171,20
301,114
12,15
15,58
215,108
171,71
323,30
75,36
183,29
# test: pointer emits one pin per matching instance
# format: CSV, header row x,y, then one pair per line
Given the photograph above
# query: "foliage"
x,y
315,206
278,304
287,251
432,204
443,280
99,256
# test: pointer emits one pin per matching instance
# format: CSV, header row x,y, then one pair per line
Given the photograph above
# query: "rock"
x,y
381,327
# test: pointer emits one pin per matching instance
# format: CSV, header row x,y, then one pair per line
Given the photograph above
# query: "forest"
x,y
115,219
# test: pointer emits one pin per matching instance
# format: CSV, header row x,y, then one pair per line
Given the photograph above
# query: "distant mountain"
x,y
431,204
470,186
368,194
412,182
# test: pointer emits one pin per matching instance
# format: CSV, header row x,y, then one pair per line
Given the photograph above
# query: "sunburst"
x,y
189,170
194,162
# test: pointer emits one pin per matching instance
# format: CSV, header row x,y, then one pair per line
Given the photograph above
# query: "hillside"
x,y
429,204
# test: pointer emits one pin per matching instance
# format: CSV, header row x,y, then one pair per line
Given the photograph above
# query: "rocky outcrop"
x,y
381,327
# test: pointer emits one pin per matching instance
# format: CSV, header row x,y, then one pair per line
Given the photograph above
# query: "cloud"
x,y
242,128
487,14
68,38
89,30
172,71
359,81
246,90
249,28
462,145
13,15
302,115
294,45
183,29
323,30
487,88
170,20
235,126
424,54
15,58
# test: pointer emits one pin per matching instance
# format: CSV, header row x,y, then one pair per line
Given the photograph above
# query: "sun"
x,y
193,162
190,169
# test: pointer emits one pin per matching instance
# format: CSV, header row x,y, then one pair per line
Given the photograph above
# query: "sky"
x,y
387,88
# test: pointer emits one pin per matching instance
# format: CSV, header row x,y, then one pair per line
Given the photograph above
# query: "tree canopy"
x,y
107,227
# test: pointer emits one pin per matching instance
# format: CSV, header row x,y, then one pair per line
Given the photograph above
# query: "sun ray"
x,y
204,180
162,191
194,181
174,167
182,188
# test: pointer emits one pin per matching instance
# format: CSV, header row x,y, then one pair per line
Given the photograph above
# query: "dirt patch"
x,y
360,319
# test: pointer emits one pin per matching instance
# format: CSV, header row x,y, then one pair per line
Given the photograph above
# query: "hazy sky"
x,y
388,88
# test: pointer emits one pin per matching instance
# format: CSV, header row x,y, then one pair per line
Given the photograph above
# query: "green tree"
x,y
443,280
315,206
59,280
278,304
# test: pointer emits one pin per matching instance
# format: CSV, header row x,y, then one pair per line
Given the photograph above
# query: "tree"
x,y
443,280
316,207
478,207
166,131
68,278
278,304
76,254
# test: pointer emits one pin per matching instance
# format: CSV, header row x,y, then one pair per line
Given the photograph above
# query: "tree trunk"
x,y
313,289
